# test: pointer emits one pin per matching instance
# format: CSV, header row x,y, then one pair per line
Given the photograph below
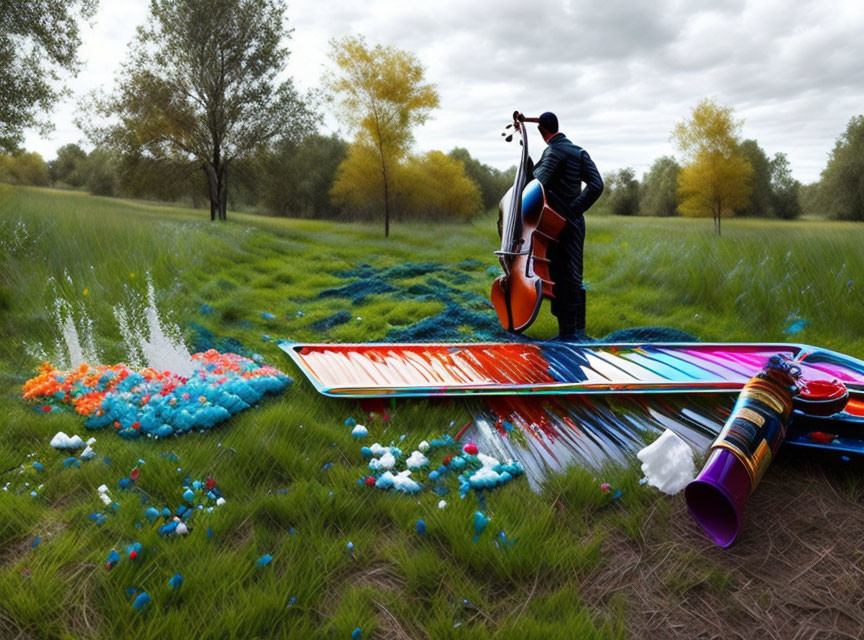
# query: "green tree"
x,y
760,196
841,189
67,167
809,200
657,196
785,190
202,84
493,182
383,96
39,40
623,192
294,178
100,172
163,179
716,179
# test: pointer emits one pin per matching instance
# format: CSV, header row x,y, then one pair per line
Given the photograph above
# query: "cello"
x,y
527,226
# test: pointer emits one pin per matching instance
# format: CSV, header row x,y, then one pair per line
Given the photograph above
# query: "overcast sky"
x,y
618,73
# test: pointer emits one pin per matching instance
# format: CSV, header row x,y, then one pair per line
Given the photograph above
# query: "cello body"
x,y
528,227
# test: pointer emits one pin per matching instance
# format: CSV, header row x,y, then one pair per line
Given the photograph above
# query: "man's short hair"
x,y
549,121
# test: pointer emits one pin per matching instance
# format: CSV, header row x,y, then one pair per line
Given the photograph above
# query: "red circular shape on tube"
x,y
821,397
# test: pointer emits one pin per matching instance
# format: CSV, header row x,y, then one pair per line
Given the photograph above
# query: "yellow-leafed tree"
x,y
435,185
383,95
357,184
716,177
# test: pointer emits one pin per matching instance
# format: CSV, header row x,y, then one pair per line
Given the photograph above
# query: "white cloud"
x,y
618,74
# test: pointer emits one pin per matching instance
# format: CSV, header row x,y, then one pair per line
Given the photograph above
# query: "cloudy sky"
x,y
618,73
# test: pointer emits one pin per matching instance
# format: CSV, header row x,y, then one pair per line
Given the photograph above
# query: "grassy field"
x,y
583,567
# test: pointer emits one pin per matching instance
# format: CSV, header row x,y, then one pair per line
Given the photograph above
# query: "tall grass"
x,y
269,462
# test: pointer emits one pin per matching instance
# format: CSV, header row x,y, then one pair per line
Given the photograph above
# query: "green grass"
x,y
748,285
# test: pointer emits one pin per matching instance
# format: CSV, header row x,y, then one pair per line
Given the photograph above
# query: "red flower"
x,y
134,475
210,482
370,481
470,449
446,461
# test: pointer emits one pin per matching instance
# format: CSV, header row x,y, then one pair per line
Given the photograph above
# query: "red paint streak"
x,y
462,431
855,407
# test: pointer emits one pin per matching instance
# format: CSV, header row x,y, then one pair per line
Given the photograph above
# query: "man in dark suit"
x,y
561,170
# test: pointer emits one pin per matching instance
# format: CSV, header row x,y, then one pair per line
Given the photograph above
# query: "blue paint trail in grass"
x,y
329,322
467,314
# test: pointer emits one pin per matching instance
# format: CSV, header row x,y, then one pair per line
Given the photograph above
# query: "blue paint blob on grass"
x,y
796,326
331,321
203,340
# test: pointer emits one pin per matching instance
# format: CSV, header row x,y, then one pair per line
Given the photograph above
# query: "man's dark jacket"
x,y
562,169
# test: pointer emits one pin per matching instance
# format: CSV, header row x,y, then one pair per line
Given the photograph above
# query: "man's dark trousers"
x,y
565,269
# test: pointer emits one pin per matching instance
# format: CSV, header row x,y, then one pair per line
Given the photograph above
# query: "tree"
x,y
809,200
623,192
39,39
841,189
294,178
435,185
493,182
657,195
100,172
382,95
24,168
67,167
357,185
201,85
760,196
716,180
165,179
785,190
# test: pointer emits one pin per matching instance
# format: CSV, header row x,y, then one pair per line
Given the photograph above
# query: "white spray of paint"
x,y
74,348
150,341
157,343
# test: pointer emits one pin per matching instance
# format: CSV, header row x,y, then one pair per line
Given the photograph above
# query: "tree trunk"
x,y
223,193
386,209
718,214
386,194
212,190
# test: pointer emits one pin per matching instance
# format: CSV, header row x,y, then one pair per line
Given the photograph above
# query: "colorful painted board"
x,y
391,370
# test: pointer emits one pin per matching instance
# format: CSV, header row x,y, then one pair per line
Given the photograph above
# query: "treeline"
x,y
766,187
290,178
